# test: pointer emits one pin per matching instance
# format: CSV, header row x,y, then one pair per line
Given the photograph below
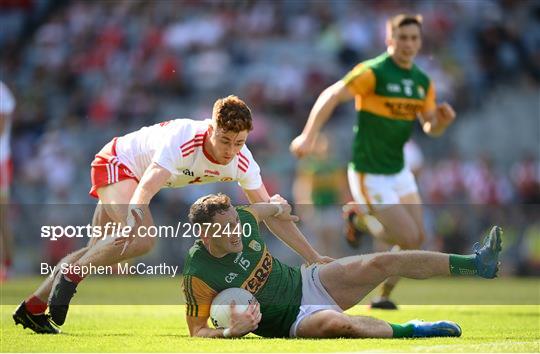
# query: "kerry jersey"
x,y
388,100
277,286
326,176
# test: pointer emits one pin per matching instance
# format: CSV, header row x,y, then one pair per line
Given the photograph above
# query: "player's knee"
x,y
379,264
351,272
337,325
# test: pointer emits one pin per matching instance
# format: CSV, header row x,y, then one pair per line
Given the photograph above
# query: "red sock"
x,y
35,305
73,277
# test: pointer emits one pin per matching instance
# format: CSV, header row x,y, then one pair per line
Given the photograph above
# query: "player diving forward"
x,y
131,169
307,301
390,93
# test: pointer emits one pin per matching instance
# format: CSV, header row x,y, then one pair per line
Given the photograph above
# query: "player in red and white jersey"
x,y
131,169
179,147
7,106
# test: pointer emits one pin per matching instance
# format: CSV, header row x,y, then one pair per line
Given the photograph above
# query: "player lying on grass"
x,y
131,169
308,301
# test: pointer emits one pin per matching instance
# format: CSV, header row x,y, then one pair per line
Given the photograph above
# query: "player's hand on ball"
x,y
445,114
301,146
245,322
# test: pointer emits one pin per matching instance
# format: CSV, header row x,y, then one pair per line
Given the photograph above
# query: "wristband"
x,y
280,210
226,333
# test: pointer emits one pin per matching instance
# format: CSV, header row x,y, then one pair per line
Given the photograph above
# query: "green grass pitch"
x,y
99,322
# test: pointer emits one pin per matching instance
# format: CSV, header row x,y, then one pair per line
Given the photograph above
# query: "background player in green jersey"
x,y
390,93
319,188
308,301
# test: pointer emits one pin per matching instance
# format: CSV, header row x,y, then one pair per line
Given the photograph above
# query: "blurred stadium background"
x,y
83,72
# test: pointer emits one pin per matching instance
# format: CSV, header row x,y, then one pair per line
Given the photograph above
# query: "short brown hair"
x,y
205,208
232,114
402,20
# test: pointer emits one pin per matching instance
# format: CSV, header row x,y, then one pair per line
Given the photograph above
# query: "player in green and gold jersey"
x,y
303,301
390,93
319,188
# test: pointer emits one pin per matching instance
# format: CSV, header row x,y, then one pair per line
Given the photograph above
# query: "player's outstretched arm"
x,y
151,182
285,230
278,207
435,122
323,108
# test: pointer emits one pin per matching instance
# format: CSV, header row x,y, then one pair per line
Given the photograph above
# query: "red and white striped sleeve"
x,y
249,171
187,148
178,142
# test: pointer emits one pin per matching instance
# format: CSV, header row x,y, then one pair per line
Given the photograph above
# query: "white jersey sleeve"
x,y
168,154
160,143
250,173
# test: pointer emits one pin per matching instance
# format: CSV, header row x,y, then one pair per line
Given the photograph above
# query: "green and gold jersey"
x,y
388,99
326,176
277,287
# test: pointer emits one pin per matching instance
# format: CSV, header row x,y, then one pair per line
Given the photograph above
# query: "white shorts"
x,y
380,191
315,298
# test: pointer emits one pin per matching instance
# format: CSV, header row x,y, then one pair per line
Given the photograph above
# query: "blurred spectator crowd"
x,y
85,71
